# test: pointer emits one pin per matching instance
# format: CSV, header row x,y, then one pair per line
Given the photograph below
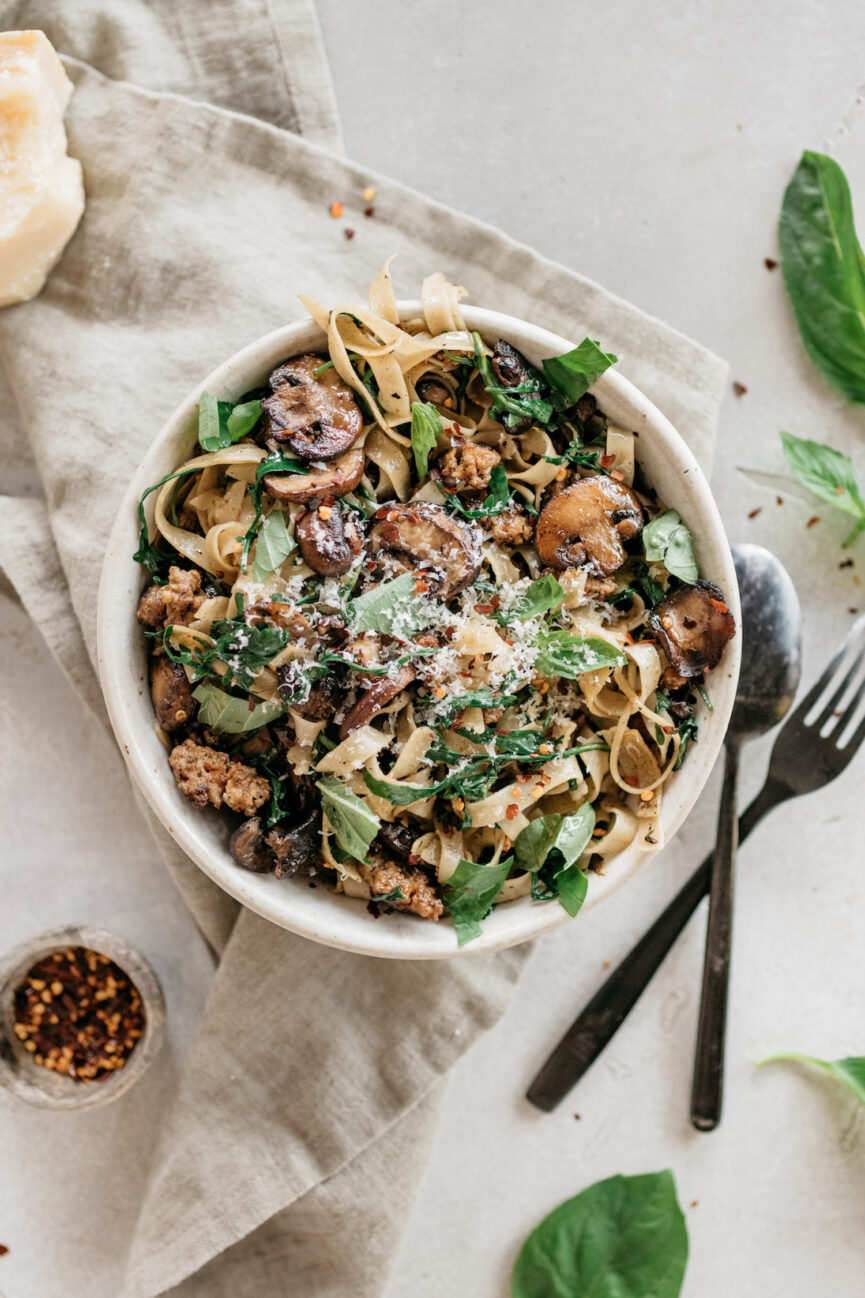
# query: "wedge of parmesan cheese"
x,y
41,188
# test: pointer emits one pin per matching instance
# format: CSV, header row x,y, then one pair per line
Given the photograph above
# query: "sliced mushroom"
x,y
396,839
340,476
297,850
316,415
510,366
322,699
585,525
249,849
427,538
376,697
693,625
430,388
329,541
172,697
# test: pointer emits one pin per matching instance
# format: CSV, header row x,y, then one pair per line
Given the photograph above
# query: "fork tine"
x,y
816,691
850,712
849,746
834,701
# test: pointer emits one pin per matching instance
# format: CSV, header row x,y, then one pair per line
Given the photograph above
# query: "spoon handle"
x,y
708,1085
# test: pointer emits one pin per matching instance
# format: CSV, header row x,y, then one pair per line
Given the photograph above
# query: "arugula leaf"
x,y
469,895
850,1072
624,1237
401,795
539,597
243,650
563,654
485,696
667,540
275,462
231,715
148,553
392,608
273,546
553,844
829,475
824,271
573,373
426,425
340,660
382,898
353,824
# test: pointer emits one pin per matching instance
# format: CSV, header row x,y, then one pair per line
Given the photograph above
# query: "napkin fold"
x,y
308,1102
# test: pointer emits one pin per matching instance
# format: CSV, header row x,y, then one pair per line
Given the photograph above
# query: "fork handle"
x,y
708,1083
614,1000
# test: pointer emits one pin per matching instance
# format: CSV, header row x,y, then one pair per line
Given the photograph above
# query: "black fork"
x,y
812,748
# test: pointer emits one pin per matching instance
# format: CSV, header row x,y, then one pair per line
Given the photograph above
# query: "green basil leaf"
x,y
621,1238
350,818
828,474
401,795
231,715
573,885
273,545
560,841
574,373
469,894
212,433
563,654
824,271
850,1072
392,608
499,497
539,597
667,540
243,419
426,425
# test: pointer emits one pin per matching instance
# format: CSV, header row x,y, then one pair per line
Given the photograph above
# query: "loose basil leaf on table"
x,y
232,715
273,546
574,373
824,271
667,540
829,475
351,820
426,425
850,1072
563,654
621,1238
469,894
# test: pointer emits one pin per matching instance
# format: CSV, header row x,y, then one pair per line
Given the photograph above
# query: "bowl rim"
x,y
396,936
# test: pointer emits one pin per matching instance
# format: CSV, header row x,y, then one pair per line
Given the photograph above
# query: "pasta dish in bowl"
x,y
428,621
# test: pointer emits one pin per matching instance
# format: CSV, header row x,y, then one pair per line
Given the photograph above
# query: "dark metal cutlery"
x,y
813,747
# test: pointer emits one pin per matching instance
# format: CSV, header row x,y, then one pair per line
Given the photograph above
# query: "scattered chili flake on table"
x,y
739,389
78,1013
4,1249
368,194
348,232
369,211
770,263
755,512
336,210
815,518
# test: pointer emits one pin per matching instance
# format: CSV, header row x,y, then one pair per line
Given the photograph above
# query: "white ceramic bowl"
x,y
316,913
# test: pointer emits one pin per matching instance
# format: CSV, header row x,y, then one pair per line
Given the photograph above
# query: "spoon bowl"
x,y
771,631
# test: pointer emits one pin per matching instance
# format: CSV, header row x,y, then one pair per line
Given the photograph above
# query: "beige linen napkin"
x,y
307,1104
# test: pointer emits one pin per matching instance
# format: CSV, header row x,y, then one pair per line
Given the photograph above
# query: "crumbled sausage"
x,y
418,894
511,527
206,775
468,467
599,587
245,790
200,772
175,604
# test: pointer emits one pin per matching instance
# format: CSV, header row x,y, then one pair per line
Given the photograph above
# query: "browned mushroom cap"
x,y
172,697
430,388
249,849
424,536
317,416
396,838
510,366
322,699
376,697
329,541
341,475
693,625
585,525
297,850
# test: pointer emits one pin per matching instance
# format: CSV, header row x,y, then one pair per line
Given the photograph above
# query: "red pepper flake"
x,y
695,1203
815,518
94,1021
739,389
512,811
839,490
719,605
770,263
336,210
755,512
3,1250
348,232
779,500
484,608
629,637
413,858
614,473
420,586
369,211
631,780
607,461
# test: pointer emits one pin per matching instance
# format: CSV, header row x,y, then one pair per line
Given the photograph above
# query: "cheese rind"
x,y
41,188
